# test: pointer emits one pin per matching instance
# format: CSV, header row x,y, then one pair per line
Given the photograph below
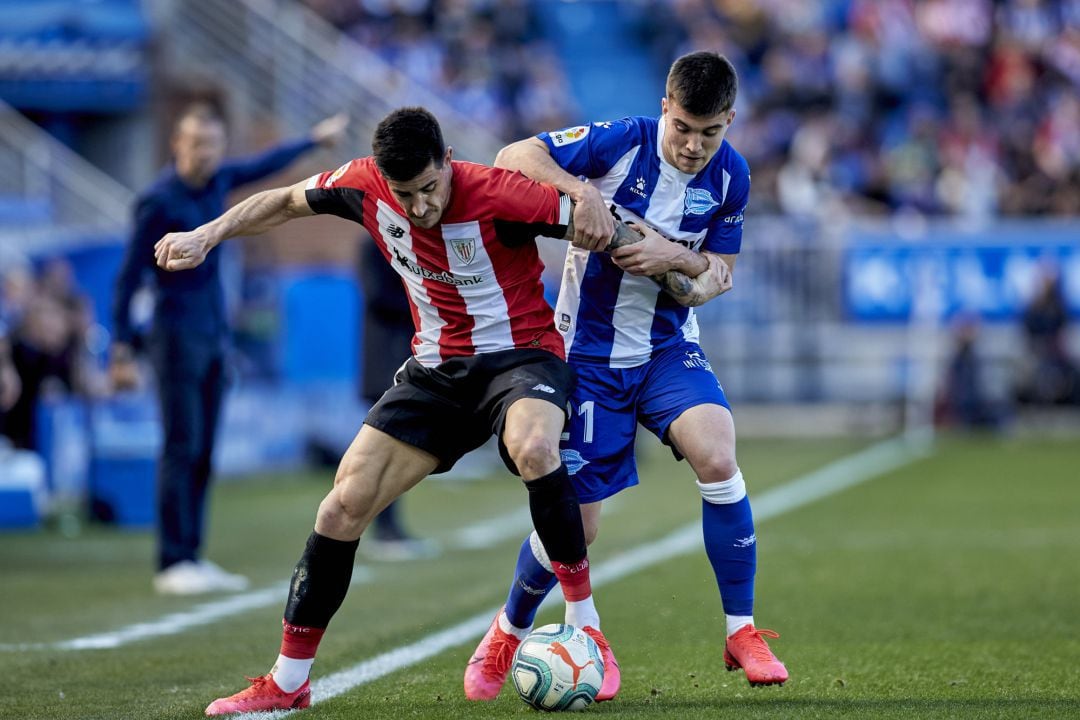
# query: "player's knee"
x,y
350,506
533,453
717,467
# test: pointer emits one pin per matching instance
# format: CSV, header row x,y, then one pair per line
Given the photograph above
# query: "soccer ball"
x,y
558,667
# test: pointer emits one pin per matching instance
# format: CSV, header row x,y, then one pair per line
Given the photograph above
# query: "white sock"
x,y
539,552
290,673
510,629
735,623
582,613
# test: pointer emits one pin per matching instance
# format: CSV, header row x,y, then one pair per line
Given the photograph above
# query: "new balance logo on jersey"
x,y
544,388
395,232
440,276
698,201
745,542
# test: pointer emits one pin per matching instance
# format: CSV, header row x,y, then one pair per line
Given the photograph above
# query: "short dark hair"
x,y
406,141
203,109
703,83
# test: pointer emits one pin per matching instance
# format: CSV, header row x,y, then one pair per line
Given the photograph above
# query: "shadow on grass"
x,y
811,708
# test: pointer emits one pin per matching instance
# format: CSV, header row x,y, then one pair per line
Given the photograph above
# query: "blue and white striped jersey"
x,y
607,316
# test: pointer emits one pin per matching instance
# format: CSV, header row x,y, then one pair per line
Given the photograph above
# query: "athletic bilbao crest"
x,y
464,248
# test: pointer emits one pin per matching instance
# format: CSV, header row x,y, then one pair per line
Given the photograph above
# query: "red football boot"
x,y
748,650
489,665
612,677
262,696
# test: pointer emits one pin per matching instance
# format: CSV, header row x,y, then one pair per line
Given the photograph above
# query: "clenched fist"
x,y
182,250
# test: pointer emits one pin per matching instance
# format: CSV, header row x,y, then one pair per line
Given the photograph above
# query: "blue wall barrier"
x,y
991,273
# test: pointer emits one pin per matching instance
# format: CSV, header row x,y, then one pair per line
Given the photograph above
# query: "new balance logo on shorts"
x,y
544,388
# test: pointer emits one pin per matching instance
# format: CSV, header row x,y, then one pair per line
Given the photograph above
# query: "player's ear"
x,y
663,106
449,154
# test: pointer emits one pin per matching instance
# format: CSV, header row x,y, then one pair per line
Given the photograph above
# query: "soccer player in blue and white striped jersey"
x,y
634,344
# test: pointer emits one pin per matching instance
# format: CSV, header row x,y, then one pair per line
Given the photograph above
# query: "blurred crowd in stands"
x,y
956,107
959,108
486,58
49,343
965,108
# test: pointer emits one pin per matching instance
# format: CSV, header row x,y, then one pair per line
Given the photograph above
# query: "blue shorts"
x,y
608,404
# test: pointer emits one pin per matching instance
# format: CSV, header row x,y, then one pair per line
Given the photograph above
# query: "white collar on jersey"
x,y
665,166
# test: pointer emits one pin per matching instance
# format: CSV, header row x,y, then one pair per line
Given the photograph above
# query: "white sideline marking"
x,y
833,478
484,534
178,622
508,525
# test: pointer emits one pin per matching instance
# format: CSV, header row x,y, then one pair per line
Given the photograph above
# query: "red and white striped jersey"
x,y
473,280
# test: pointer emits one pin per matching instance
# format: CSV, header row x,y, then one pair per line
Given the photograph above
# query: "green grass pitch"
x,y
948,588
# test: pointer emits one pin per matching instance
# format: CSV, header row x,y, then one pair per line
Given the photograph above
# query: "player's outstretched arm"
x,y
257,214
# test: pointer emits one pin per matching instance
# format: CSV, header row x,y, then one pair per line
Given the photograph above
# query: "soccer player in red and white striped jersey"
x,y
472,288
486,360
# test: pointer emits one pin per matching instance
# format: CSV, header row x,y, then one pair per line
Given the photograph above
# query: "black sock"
x,y
556,516
320,581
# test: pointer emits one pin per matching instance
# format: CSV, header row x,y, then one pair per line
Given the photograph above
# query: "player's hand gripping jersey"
x,y
474,279
613,318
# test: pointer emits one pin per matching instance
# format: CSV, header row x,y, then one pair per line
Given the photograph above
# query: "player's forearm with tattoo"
x,y
715,280
697,277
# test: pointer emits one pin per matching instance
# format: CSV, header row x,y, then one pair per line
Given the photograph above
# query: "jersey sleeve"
x,y
339,192
516,198
724,236
523,209
592,150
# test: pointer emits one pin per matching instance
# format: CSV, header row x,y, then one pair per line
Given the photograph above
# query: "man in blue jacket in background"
x,y
188,342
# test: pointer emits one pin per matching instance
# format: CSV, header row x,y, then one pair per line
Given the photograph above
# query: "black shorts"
x,y
454,407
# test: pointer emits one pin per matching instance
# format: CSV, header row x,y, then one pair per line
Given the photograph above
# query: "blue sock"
x,y
731,545
532,583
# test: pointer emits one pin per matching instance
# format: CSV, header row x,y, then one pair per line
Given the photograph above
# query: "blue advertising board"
x,y
991,273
